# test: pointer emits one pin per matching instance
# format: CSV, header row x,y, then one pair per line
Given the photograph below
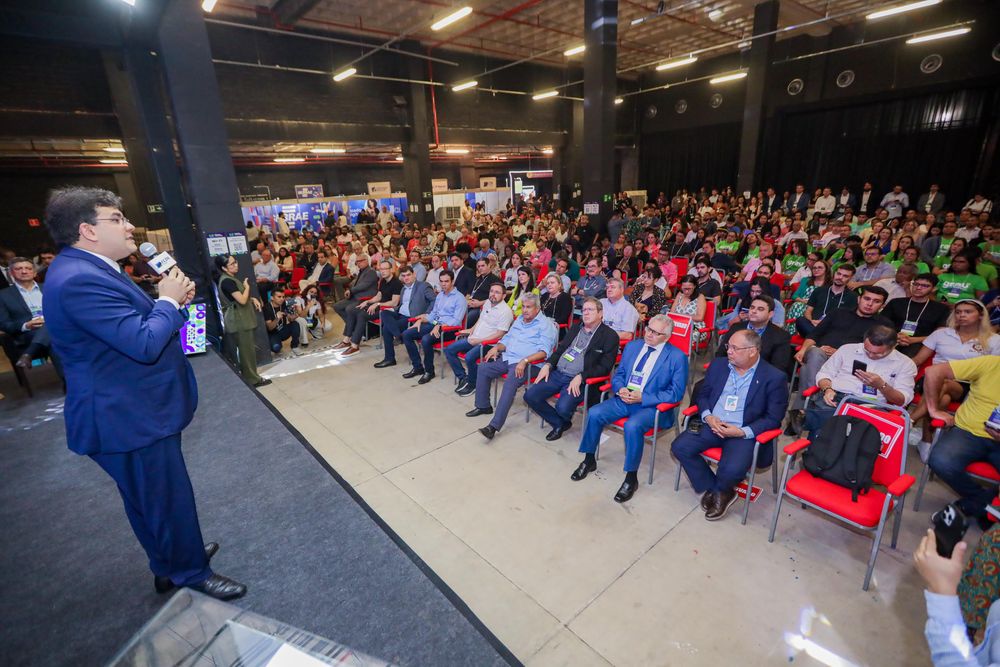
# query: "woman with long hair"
x,y
902,243
795,257
315,308
647,298
525,285
819,277
689,302
749,249
239,319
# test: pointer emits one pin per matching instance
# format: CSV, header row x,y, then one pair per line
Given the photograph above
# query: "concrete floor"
x,y
565,576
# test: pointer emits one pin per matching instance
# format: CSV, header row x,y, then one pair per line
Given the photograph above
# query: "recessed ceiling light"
x,y
619,100
676,63
464,86
728,77
327,150
399,158
545,95
641,19
575,50
114,149
451,18
111,161
547,151
340,76
899,9
930,37
289,159
131,3
457,151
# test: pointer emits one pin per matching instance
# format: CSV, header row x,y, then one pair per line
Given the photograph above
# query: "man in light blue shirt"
x,y
448,311
531,338
21,313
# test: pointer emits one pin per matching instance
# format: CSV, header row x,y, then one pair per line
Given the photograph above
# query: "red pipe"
x,y
434,109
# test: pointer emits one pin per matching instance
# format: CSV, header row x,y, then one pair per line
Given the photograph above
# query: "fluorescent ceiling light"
x,y
457,151
498,157
575,50
745,44
619,100
728,77
465,86
930,37
208,5
289,159
114,149
715,14
676,63
399,158
547,151
451,18
545,95
899,9
130,3
340,76
327,150
118,161
639,20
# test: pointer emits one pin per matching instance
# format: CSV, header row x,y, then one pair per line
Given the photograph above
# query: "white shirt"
x,y
647,368
968,234
621,316
32,299
114,266
947,346
826,204
986,205
492,318
895,290
434,278
896,369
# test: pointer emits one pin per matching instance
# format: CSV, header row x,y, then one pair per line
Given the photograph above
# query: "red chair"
x,y
682,266
649,436
982,471
709,328
442,344
714,454
298,275
872,509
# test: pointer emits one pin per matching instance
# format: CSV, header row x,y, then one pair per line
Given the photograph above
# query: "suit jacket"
x,y
801,205
666,382
14,312
852,203
772,206
936,205
421,299
465,280
325,274
767,399
365,285
775,345
873,200
128,383
600,355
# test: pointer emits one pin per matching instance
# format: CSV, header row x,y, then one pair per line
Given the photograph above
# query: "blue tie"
x,y
642,362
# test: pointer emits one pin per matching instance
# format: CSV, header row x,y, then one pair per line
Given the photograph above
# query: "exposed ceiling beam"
x,y
288,12
95,32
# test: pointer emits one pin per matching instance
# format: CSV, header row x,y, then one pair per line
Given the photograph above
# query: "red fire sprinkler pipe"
x,y
434,110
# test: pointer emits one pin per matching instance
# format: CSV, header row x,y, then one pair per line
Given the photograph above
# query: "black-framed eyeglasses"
x,y
729,346
118,220
658,333
922,285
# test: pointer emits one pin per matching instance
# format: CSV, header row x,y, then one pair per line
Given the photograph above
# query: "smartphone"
x,y
950,524
858,366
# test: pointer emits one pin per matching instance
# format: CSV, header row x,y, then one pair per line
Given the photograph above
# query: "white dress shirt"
x,y
647,368
896,369
114,266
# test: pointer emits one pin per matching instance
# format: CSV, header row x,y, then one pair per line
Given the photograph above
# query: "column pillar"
x,y
765,20
196,108
600,30
416,151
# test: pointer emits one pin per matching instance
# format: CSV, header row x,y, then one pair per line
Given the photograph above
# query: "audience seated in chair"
x,y
21,314
448,311
415,299
351,308
776,348
494,321
357,314
619,314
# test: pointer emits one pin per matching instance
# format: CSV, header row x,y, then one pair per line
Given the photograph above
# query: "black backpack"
x,y
845,453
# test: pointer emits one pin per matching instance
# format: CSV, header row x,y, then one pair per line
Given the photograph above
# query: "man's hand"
x,y
175,286
940,574
436,331
829,351
800,356
574,385
832,402
492,354
870,379
464,332
520,368
347,294
372,308
543,373
731,431
903,339
744,315
35,322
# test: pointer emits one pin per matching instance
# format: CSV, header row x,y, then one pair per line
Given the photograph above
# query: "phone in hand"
x,y
859,365
950,524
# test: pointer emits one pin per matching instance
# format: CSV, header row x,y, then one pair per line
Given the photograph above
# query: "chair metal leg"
x,y
652,458
876,543
750,478
897,520
781,495
924,476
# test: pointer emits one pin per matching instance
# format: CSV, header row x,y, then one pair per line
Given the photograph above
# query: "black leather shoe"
x,y
164,585
460,386
488,431
385,363
220,588
476,412
582,471
707,500
626,491
467,389
796,419
425,378
556,433
24,361
412,373
723,501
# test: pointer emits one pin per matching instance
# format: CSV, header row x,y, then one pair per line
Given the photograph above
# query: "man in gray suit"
x,y
931,202
416,299
364,287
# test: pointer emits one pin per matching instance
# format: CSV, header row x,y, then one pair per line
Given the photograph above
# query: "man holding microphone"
x,y
129,389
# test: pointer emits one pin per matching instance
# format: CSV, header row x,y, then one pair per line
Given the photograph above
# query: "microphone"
x,y
159,262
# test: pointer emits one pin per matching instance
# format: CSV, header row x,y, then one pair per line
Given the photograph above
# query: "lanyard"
x,y
908,302
826,306
740,381
479,283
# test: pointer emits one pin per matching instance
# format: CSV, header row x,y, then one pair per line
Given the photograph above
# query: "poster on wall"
x,y
380,189
217,245
439,185
192,333
488,182
313,191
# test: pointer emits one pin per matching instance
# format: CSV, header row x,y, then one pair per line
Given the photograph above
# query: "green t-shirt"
x,y
945,246
754,253
727,247
952,287
987,271
921,266
991,249
792,263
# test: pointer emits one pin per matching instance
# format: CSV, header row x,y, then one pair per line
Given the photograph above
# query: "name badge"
x,y
909,327
635,382
954,290
870,391
732,402
569,355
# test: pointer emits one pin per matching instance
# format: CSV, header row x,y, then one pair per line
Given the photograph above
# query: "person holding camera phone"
x,y
873,369
280,325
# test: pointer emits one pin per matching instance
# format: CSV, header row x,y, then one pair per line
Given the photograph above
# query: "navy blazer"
x,y
14,312
421,299
128,383
767,399
666,382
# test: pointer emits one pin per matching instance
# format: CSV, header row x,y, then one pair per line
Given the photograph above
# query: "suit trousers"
x,y
640,420
355,319
737,457
423,334
35,342
815,358
470,371
393,325
538,394
159,503
491,371
240,347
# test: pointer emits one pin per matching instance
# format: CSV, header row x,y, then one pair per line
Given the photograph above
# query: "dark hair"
x,y
447,272
881,334
220,262
766,299
846,267
929,277
453,255
703,259
876,290
68,207
763,283
690,279
654,271
531,280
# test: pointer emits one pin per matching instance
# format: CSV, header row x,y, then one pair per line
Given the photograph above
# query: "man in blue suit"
x,y
652,371
129,389
741,397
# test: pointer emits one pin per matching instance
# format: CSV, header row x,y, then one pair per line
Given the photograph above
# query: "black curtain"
x,y
689,159
913,142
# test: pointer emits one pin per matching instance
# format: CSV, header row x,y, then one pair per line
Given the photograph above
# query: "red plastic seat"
x,y
872,509
979,470
651,435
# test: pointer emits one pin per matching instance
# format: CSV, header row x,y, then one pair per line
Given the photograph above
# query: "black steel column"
x,y
600,35
765,20
567,163
416,151
207,165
